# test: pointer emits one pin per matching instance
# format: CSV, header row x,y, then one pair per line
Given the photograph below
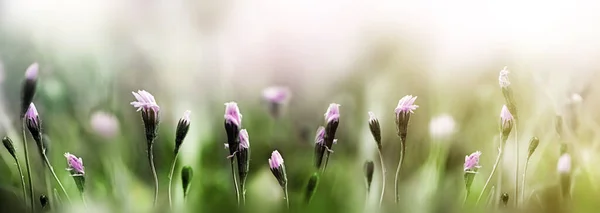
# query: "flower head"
x,y
320,136
32,72
275,94
183,126
506,121
232,113
472,162
276,160
375,128
244,139
104,124
442,126
144,101
75,164
406,105
503,78
564,164
32,113
33,123
29,87
333,113
186,117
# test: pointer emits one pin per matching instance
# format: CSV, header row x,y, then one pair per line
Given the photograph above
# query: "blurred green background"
x,y
197,55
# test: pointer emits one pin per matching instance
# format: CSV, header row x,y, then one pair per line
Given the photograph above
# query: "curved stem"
x,y
237,191
287,198
498,158
382,178
151,161
517,163
31,195
524,177
171,178
56,177
22,181
402,151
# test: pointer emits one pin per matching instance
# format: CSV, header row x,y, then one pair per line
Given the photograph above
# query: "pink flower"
x,y
104,124
505,116
406,105
564,164
232,113
75,164
320,137
276,160
32,114
278,95
472,162
333,113
244,139
186,118
145,101
503,78
32,72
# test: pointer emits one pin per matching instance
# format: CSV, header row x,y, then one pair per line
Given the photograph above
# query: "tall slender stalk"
x,y
83,199
517,163
498,158
382,177
153,168
171,178
524,177
287,198
27,164
235,184
402,152
22,181
56,177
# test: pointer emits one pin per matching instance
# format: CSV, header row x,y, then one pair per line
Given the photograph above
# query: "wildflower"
x,y
29,87
506,122
104,124
442,126
75,164
405,108
332,120
183,126
503,78
150,113
369,169
320,146
276,97
243,158
278,168
375,129
187,173
33,123
233,124
472,162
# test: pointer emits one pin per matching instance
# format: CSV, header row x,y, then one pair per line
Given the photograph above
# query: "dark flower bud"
x,y
29,87
182,129
311,187
278,168
533,144
44,201
369,169
34,124
243,158
504,199
233,124
8,144
332,120
187,173
320,146
375,129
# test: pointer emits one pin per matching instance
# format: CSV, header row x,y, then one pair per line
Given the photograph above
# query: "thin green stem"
x,y
27,164
524,177
498,158
171,178
466,196
517,163
326,160
22,181
382,177
56,177
235,184
287,198
83,199
402,152
153,168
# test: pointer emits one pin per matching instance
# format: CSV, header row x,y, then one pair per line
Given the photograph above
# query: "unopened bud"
x,y
504,199
506,122
29,87
187,173
44,201
183,126
375,129
533,144
369,169
8,144
311,187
